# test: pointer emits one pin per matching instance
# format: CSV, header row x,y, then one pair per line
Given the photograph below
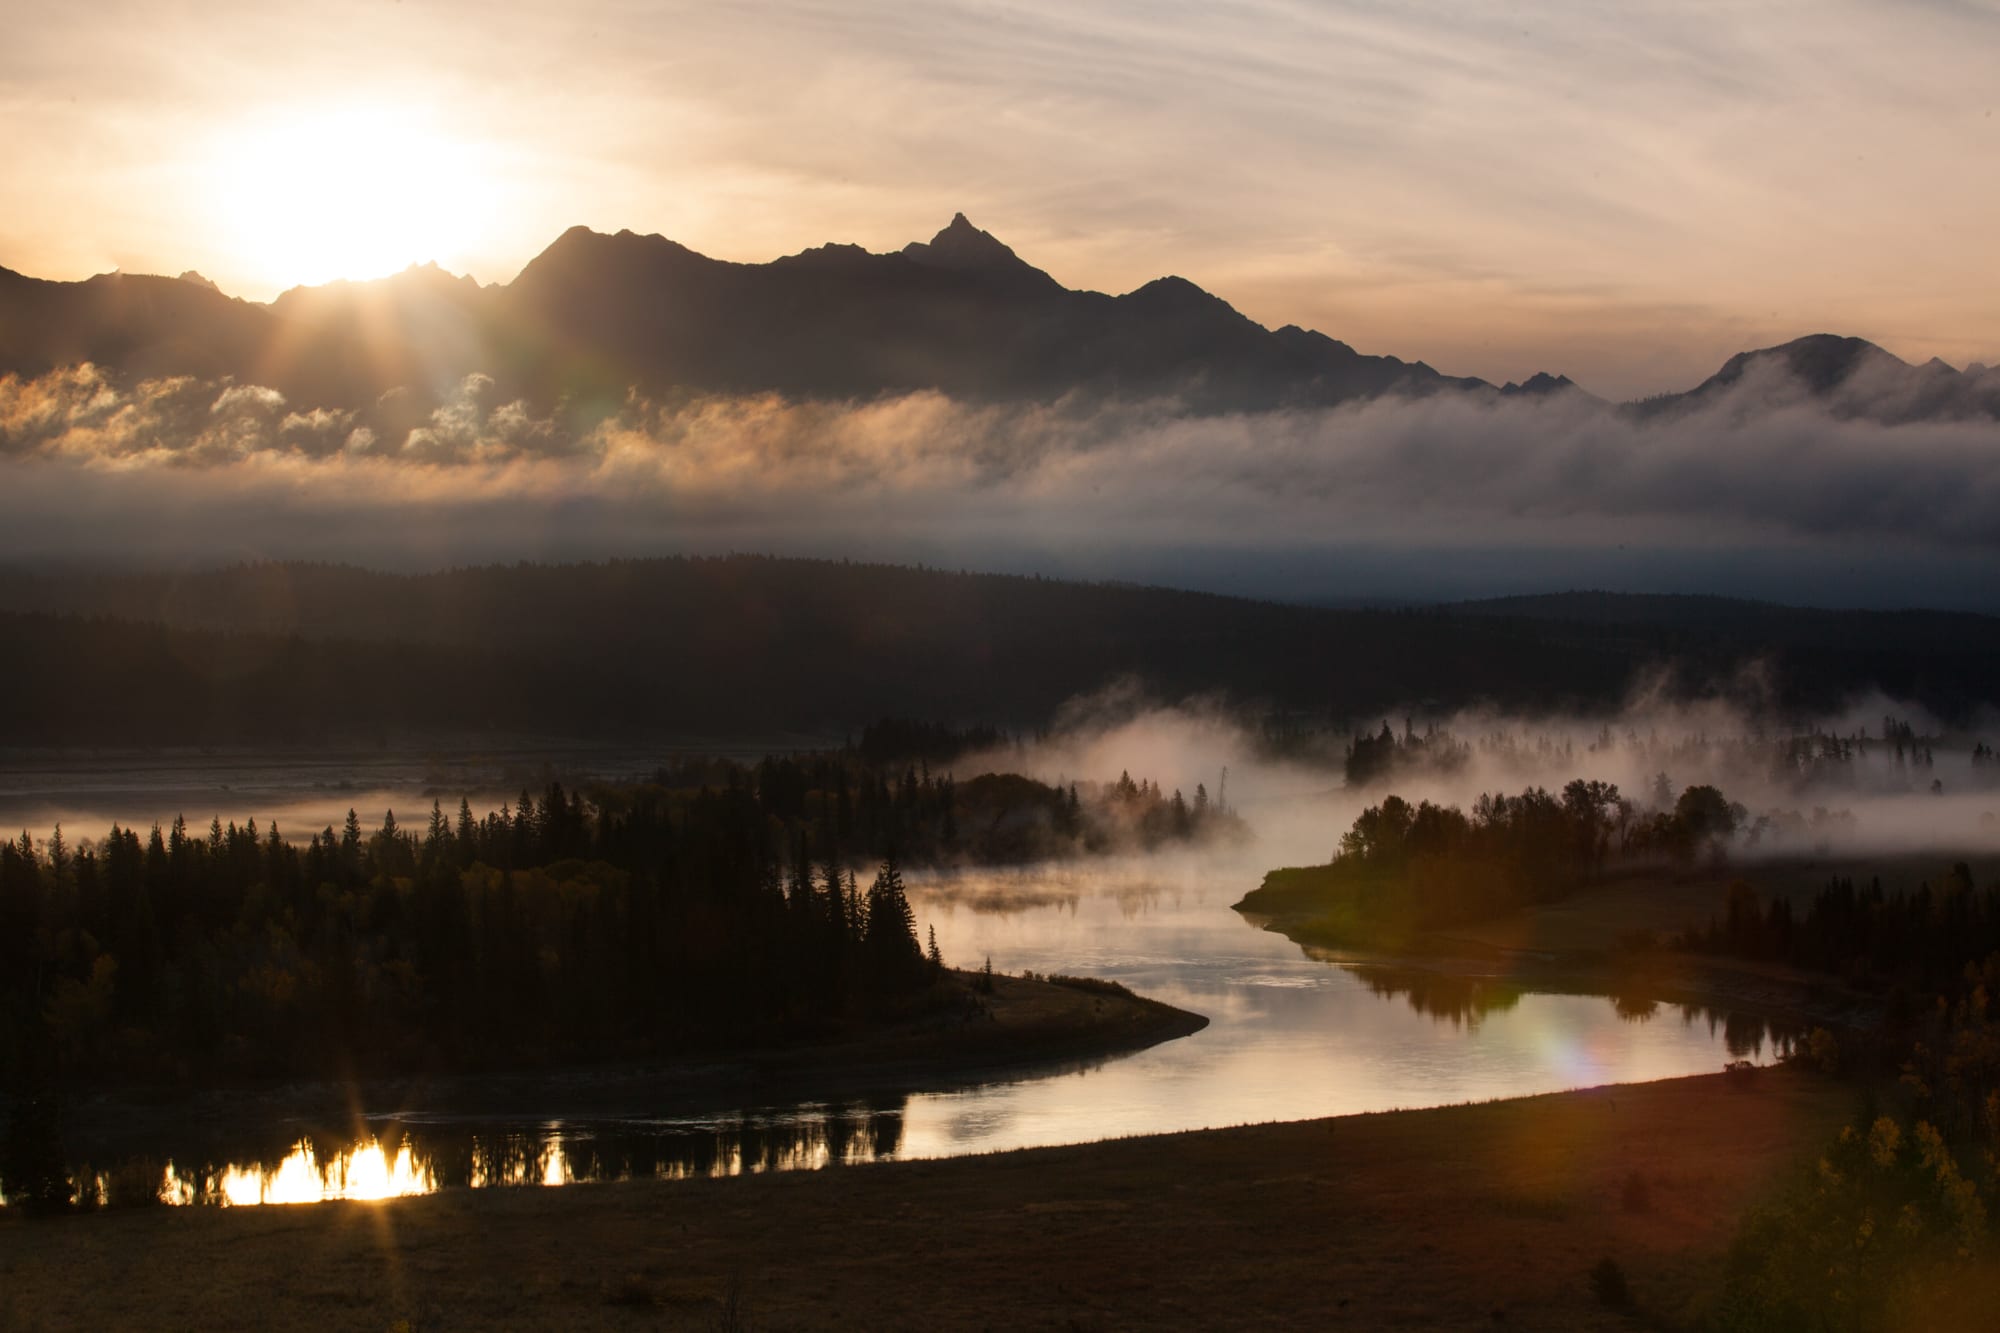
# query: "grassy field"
x,y
1476,1216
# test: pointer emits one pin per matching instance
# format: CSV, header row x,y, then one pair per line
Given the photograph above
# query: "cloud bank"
x,y
196,470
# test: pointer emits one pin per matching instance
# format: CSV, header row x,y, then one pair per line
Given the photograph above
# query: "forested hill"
x,y
1789,624
284,653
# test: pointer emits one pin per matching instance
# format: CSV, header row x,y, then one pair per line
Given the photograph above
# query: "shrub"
x,y
1094,985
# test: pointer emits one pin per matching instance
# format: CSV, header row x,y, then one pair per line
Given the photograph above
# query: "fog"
x,y
1298,805
1760,492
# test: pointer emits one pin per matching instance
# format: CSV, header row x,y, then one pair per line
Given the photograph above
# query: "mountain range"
x,y
595,317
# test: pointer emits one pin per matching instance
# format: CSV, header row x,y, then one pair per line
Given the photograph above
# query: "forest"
x,y
720,905
747,646
1908,1190
1918,942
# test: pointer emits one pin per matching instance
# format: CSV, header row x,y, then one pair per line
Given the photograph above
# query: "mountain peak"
x,y
1541,382
1820,361
966,249
581,239
1175,293
199,281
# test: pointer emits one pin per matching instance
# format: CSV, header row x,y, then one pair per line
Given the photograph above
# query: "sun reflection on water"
x,y
399,1160
366,1171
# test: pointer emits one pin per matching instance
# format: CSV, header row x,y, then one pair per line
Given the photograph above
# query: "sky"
x,y
1628,194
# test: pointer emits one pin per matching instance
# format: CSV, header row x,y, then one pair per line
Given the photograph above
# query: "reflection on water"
x,y
1290,1037
1466,1000
363,1172
392,1159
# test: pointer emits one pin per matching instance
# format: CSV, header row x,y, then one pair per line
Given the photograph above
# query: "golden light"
x,y
364,1172
555,1167
311,194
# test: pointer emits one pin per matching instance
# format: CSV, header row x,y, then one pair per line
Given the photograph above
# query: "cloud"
x,y
172,460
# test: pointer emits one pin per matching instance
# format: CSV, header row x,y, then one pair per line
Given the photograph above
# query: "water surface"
x,y
1290,1037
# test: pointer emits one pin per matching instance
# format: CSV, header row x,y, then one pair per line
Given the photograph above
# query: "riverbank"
x,y
1610,939
1020,1026
1487,1215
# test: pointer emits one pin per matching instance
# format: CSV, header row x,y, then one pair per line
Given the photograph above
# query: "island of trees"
x,y
1406,868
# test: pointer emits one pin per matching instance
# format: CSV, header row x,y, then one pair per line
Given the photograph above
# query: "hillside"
x,y
690,646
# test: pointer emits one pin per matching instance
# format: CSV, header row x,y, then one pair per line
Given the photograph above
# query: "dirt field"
x,y
1479,1216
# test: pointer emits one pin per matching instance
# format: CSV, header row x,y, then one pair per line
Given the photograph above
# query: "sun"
x,y
310,194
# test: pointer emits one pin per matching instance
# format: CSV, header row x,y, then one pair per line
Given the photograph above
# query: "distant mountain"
x,y
1544,385
1851,377
595,315
135,325
960,313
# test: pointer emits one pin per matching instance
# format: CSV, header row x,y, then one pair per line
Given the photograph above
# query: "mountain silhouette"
x,y
597,316
1849,377
966,249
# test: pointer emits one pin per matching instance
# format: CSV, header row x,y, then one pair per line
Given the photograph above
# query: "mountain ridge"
x,y
598,315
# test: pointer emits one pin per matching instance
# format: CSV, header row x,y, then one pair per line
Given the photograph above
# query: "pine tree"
x,y
891,932
350,839
437,834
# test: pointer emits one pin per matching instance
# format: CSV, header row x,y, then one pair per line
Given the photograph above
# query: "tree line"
x,y
1403,867
1917,941
1896,1214
309,654
766,903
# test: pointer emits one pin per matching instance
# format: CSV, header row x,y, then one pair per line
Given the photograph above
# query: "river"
x,y
1290,1037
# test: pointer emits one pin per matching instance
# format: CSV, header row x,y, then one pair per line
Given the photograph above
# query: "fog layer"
x,y
1297,800
193,470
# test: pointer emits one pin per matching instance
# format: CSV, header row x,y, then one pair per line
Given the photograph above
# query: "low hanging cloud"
x,y
197,469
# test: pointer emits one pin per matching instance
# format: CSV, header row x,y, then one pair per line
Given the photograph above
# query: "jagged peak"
x,y
199,281
581,237
966,248
1540,382
833,254
420,281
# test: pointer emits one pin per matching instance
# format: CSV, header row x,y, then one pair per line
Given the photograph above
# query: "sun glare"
x,y
309,195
